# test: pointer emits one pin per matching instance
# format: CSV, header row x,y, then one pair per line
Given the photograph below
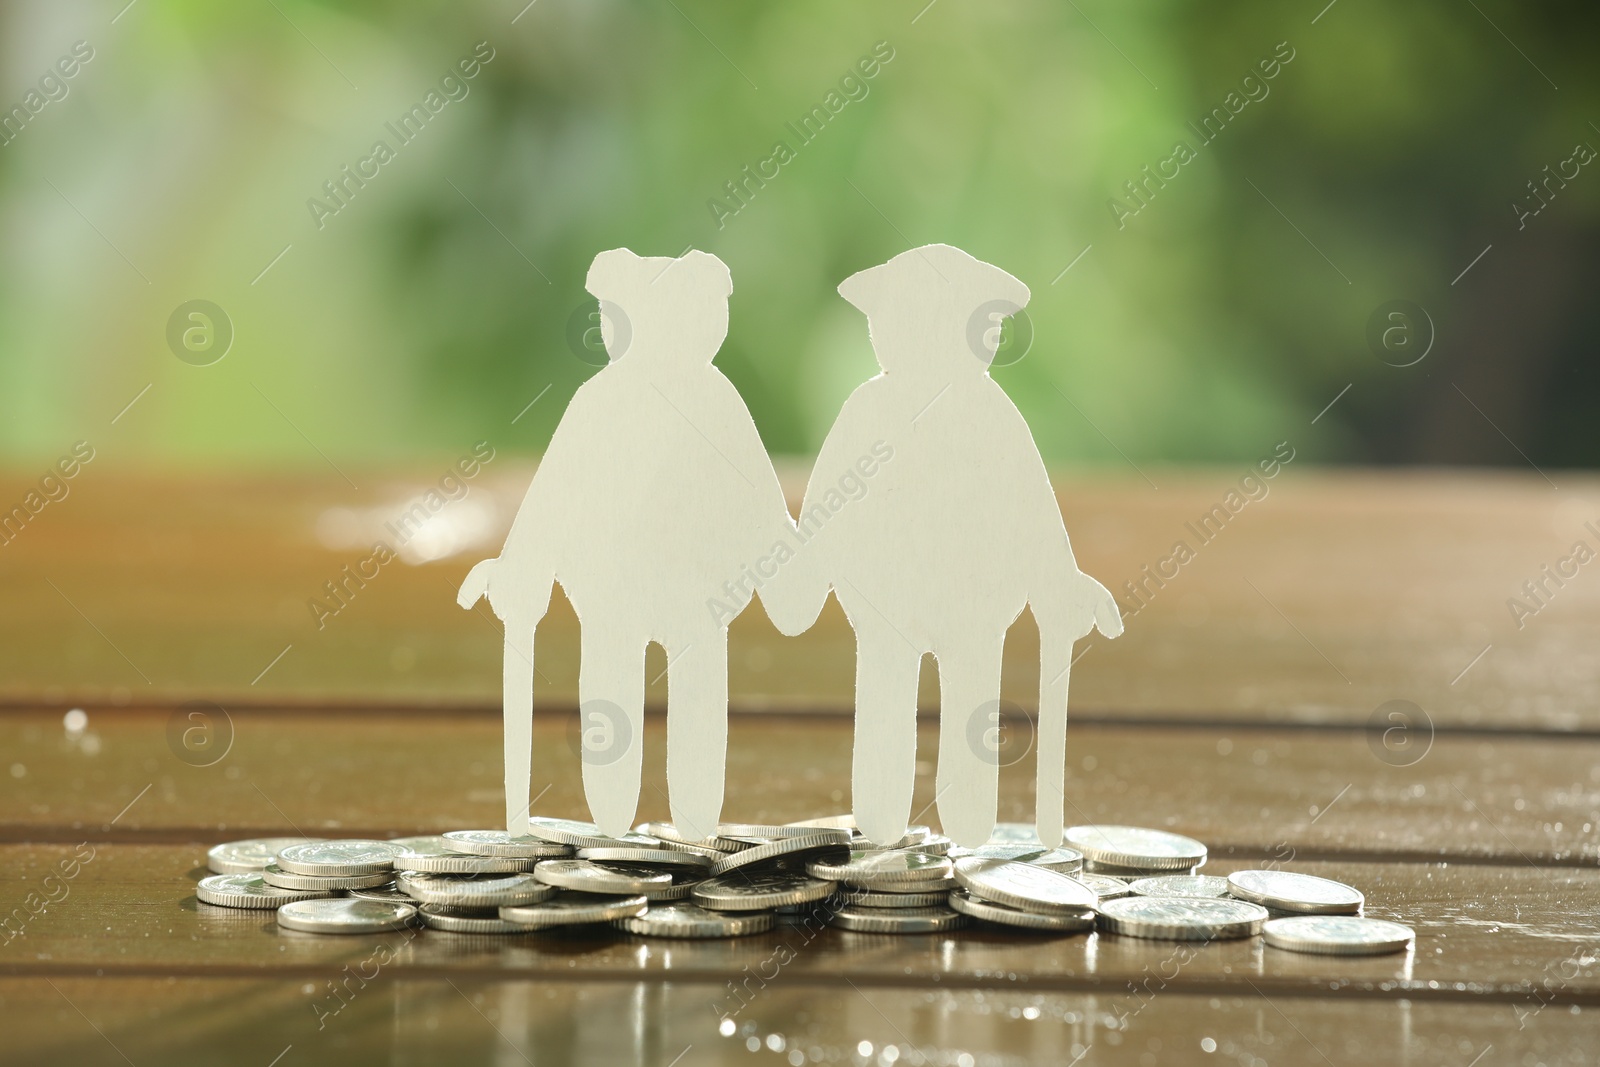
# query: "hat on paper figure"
x,y
920,302
638,293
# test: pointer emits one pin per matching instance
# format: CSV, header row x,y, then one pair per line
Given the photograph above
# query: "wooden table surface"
x,y
1249,704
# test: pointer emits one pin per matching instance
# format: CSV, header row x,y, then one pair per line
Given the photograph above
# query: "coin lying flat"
x,y
387,893
578,834
774,831
684,880
650,857
467,920
1182,918
1105,886
1180,885
434,856
883,868
1337,935
1062,922
1136,847
872,898
473,891
682,919
1023,886
586,876
1288,891
1015,833
501,843
282,879
933,845
898,920
343,915
242,857
249,891
337,858
1065,860
571,909
759,890
796,850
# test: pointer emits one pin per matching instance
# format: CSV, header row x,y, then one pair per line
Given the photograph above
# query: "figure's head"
x,y
935,308
661,307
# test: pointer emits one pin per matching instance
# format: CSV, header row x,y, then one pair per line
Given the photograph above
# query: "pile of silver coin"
x,y
659,882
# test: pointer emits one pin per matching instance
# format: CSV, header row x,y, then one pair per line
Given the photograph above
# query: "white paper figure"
x,y
649,506
930,514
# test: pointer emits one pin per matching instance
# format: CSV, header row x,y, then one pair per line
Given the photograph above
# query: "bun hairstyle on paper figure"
x,y
956,535
654,492
929,515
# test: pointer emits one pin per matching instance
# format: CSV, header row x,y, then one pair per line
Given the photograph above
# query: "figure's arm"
x,y
795,597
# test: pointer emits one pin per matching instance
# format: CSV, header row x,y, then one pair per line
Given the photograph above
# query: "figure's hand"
x,y
794,597
1107,616
476,585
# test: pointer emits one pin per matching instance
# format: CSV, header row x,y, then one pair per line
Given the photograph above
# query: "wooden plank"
x,y
403,1021
1244,791
1485,933
1335,593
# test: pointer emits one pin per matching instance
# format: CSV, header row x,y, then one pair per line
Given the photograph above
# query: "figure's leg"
x,y
697,732
611,721
884,770
969,754
1055,666
517,701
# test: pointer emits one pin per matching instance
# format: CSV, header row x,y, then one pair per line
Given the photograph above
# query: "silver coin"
x,y
435,858
774,831
872,898
467,920
473,891
883,868
1136,847
829,822
760,890
249,891
1065,860
1131,874
242,857
1023,886
343,915
683,883
388,893
274,875
1063,922
933,845
670,835
1337,935
1288,891
1182,918
789,850
690,920
570,909
914,835
501,843
651,857
706,850
1015,833
1180,885
586,876
898,920
420,842
338,857
1104,885
578,834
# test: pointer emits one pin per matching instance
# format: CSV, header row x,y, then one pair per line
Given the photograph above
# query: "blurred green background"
x,y
178,162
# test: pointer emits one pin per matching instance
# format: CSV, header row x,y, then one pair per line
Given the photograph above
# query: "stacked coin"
x,y
742,878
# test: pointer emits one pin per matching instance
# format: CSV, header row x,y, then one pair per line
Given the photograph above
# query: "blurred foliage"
x,y
435,306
